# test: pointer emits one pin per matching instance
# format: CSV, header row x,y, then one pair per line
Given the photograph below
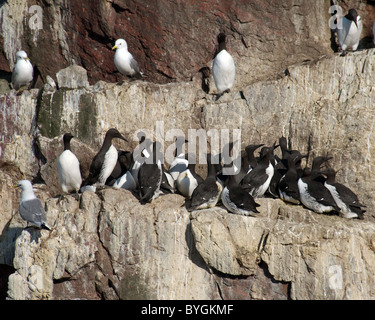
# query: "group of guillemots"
x,y
146,176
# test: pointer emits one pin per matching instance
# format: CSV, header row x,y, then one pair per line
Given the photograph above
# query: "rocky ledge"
x,y
109,246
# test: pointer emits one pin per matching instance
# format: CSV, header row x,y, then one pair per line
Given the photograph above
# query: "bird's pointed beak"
x,y
114,47
121,137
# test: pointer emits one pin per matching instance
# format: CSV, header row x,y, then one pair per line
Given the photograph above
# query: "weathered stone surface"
x,y
17,125
143,252
72,77
109,246
320,256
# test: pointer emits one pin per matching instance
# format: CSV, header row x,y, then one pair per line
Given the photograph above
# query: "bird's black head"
x,y
221,40
221,37
67,137
318,161
114,133
253,147
352,15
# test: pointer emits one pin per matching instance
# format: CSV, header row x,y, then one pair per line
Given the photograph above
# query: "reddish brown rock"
x,y
172,41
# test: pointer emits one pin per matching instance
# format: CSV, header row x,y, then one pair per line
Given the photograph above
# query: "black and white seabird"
x,y
350,33
290,160
124,60
104,161
208,192
188,180
313,194
248,162
68,168
223,68
123,164
237,200
23,71
257,181
30,207
168,185
345,198
253,162
150,175
121,176
179,163
288,184
280,166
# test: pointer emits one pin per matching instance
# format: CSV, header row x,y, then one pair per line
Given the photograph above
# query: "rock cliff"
x,y
107,245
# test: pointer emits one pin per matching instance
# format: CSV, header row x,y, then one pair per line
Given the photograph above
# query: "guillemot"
x,y
237,200
68,168
313,194
150,175
256,182
288,184
345,198
208,192
188,180
179,163
350,31
223,68
104,161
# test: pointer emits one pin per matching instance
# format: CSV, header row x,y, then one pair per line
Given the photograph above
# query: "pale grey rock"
x,y
322,257
72,77
160,251
148,252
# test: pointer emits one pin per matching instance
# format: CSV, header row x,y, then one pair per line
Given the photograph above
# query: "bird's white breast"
x,y
309,201
263,188
126,181
223,71
349,34
186,183
178,165
23,73
109,163
122,62
69,172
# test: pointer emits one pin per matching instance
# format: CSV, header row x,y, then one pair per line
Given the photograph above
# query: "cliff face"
x,y
171,40
109,246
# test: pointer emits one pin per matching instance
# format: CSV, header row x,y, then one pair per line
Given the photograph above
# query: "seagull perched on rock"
x,y
223,68
68,168
349,32
23,71
30,207
124,60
